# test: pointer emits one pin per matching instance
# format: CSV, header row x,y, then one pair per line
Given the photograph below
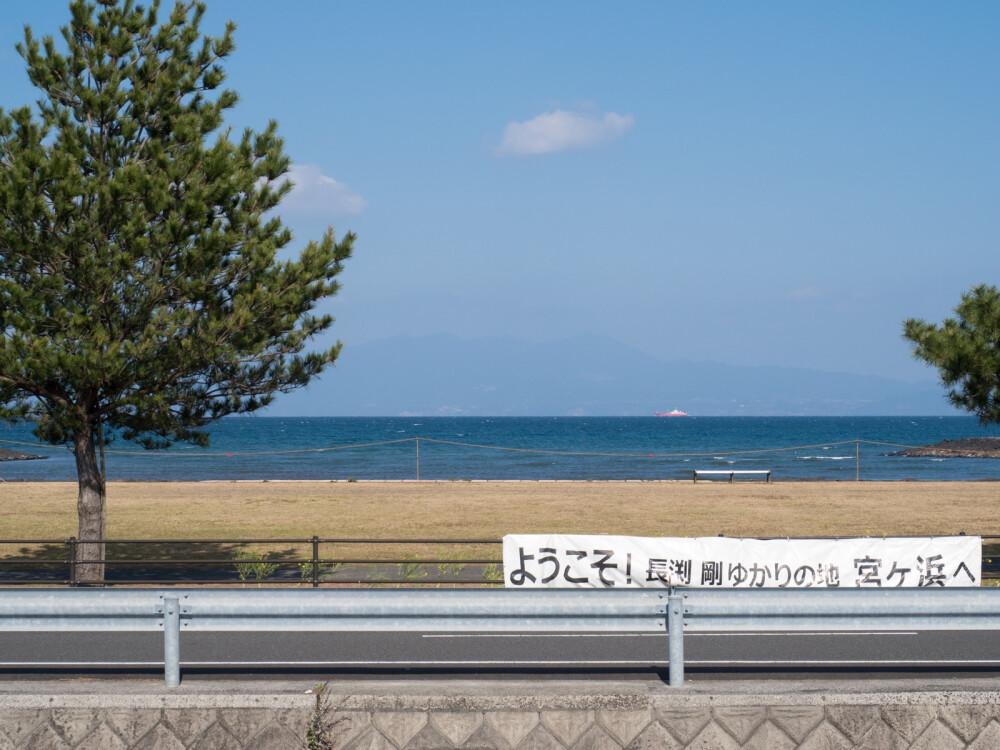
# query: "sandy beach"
x,y
460,509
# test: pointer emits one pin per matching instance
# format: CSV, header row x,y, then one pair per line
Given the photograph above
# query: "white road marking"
x,y
785,635
544,635
664,635
822,662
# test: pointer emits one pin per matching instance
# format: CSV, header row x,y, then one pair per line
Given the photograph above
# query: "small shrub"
x,y
411,572
448,569
325,572
493,573
250,562
376,574
324,729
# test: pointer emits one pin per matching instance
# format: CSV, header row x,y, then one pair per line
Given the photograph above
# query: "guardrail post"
x,y
315,562
675,635
171,642
72,560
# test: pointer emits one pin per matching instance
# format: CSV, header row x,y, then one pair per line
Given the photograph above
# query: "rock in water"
x,y
988,447
9,455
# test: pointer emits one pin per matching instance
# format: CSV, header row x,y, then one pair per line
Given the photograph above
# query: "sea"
x,y
530,448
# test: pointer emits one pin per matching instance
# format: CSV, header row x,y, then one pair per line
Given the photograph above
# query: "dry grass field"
x,y
410,509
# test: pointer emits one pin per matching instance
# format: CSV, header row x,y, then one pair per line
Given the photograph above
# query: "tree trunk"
x,y
90,510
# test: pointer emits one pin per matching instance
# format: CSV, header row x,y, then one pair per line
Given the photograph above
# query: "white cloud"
x,y
316,196
561,130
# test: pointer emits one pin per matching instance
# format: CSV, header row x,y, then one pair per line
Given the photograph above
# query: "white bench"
x,y
733,473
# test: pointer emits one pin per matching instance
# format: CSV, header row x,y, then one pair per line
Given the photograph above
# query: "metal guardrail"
x,y
494,610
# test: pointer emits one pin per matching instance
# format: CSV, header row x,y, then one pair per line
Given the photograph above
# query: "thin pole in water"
x,y
418,459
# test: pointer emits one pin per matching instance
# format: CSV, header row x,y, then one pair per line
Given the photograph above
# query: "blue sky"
x,y
775,183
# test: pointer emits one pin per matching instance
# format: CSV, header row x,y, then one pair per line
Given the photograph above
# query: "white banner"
x,y
571,561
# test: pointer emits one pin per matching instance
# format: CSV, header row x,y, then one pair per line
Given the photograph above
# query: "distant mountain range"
x,y
444,375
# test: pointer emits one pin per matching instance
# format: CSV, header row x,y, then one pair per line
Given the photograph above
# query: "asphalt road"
x,y
707,655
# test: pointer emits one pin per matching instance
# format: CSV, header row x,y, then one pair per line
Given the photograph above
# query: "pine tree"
x,y
966,351
141,292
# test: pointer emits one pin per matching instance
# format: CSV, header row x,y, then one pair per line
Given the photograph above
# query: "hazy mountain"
x,y
448,376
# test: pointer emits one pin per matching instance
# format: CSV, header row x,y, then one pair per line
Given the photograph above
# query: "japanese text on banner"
x,y
571,561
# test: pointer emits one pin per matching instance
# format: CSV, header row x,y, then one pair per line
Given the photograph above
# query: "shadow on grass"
x,y
200,563
150,562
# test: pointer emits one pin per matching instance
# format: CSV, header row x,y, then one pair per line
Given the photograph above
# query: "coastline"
x,y
536,448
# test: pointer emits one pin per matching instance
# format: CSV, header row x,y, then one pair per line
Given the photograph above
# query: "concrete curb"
x,y
961,714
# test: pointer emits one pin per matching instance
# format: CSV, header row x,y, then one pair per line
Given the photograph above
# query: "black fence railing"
x,y
312,561
306,562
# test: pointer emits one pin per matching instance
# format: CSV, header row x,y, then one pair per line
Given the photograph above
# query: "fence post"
x,y
315,562
171,642
72,560
675,634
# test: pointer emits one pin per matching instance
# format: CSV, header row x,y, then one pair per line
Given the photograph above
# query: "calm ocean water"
x,y
533,448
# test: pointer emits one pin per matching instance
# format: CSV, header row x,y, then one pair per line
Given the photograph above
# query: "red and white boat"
x,y
671,413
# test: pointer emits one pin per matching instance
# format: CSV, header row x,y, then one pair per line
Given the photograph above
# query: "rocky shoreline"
x,y
964,448
9,455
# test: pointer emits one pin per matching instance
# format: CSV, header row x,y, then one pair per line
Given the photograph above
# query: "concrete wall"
x,y
571,715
